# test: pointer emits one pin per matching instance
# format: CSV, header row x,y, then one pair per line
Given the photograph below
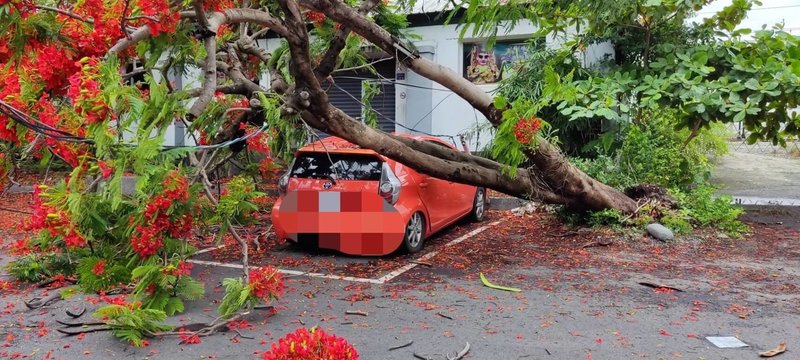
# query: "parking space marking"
x,y
388,277
289,272
381,280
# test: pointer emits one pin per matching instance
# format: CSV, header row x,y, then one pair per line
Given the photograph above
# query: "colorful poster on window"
x,y
483,65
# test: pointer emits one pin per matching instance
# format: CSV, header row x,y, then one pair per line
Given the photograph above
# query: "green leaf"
x,y
500,102
751,84
496,287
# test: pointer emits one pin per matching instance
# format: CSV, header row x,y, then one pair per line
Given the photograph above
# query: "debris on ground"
x,y
496,287
726,342
401,346
659,286
781,348
660,232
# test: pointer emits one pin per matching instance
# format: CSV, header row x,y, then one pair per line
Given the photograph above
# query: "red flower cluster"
x,y
99,267
257,142
526,129
266,283
183,268
94,40
160,19
315,17
45,217
85,92
304,344
220,5
147,239
10,93
105,169
187,338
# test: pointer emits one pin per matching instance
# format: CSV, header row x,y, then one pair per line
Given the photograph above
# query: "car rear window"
x,y
342,166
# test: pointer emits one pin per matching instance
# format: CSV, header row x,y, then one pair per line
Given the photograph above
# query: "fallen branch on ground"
x,y
421,263
444,316
51,280
401,346
355,312
77,324
659,286
71,332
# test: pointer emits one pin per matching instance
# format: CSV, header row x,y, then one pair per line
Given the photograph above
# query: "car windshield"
x,y
347,166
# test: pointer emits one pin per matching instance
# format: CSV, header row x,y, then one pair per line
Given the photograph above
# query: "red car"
x,y
336,195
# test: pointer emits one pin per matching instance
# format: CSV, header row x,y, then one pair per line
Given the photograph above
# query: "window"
x,y
317,165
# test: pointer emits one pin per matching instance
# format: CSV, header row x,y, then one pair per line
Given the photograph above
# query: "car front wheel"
x,y
415,233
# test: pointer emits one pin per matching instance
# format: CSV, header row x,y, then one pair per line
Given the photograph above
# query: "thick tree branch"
x,y
201,15
126,42
209,78
65,13
338,42
230,16
239,89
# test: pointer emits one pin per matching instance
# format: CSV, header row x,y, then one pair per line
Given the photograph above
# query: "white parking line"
x,y
289,272
381,280
388,277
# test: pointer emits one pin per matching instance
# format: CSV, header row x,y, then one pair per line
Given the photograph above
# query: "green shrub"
x,y
701,208
653,152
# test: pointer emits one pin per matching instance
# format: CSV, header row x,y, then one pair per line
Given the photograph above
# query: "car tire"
x,y
478,212
414,237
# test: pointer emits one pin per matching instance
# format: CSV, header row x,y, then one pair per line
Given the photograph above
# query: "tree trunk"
x,y
551,178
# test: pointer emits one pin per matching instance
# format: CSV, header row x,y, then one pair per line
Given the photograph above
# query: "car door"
x,y
445,200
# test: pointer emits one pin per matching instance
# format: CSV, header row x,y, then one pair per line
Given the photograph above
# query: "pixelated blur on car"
x,y
336,195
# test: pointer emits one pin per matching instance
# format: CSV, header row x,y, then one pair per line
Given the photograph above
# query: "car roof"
x,y
339,145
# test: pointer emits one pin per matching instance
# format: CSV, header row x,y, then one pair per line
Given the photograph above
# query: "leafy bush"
x,y
653,152
700,207
37,267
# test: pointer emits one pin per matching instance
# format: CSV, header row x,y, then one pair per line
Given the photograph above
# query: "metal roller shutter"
x,y
350,82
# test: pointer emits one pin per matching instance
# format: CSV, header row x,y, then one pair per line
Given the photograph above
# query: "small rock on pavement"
x,y
660,232
527,208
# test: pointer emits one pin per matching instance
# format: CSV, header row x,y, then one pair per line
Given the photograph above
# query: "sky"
x,y
769,12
